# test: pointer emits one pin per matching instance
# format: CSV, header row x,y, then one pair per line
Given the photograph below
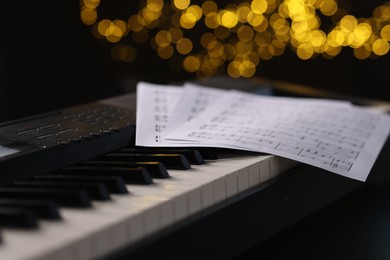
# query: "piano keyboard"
x,y
59,210
147,209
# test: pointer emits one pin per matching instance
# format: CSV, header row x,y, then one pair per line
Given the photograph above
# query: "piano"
x,y
75,194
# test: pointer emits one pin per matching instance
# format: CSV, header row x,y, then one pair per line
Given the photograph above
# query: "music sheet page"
x,y
155,104
193,101
164,108
334,136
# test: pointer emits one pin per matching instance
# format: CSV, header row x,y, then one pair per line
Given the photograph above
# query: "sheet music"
x,y
155,104
163,108
194,100
334,136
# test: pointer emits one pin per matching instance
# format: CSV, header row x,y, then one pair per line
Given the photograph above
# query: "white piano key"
x,y
54,237
62,254
243,179
135,228
150,220
219,186
180,207
166,214
101,242
265,171
83,249
85,221
207,195
118,233
194,201
274,166
231,184
94,233
254,175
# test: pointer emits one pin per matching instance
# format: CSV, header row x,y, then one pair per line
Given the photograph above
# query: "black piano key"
x,y
18,217
129,175
97,191
64,197
208,153
171,161
156,169
114,184
193,156
46,209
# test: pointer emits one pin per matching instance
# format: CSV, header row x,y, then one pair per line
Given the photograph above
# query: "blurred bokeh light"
x,y
213,36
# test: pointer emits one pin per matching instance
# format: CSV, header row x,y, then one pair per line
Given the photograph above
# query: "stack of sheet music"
x,y
333,135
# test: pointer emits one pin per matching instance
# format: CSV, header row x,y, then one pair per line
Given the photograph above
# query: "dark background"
x,y
50,60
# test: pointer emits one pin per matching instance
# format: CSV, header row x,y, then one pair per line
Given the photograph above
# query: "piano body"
x,y
217,209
